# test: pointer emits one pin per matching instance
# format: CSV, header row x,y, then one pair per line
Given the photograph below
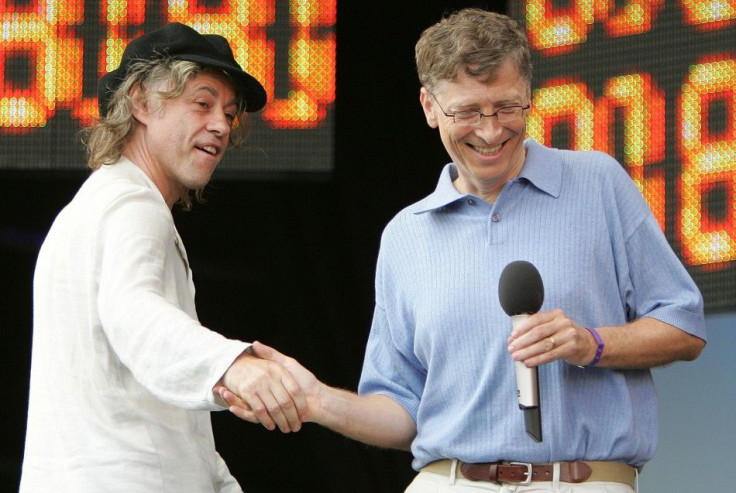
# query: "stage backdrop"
x,y
650,82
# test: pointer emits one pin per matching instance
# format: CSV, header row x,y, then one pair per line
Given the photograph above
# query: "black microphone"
x,y
521,293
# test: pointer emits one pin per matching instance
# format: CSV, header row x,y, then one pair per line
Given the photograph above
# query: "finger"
x,y
533,354
528,324
273,404
544,326
269,353
298,396
237,406
552,343
231,399
272,407
244,415
260,411
286,414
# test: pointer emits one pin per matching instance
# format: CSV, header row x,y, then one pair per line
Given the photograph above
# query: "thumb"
x,y
268,353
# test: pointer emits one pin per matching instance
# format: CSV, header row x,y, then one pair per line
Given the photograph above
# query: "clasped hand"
x,y
269,388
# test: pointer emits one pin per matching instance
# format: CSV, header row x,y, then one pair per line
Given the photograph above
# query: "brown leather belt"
x,y
524,473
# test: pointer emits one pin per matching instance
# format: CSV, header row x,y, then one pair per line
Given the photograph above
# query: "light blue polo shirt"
x,y
438,340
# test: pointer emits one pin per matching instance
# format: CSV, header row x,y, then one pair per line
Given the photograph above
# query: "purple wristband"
x,y
599,350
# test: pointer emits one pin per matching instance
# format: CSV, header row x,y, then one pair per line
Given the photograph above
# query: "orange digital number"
x,y
562,101
635,17
708,163
556,30
708,15
37,37
643,107
117,16
39,42
311,67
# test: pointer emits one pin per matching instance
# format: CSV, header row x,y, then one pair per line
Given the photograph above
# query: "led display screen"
x,y
652,83
53,52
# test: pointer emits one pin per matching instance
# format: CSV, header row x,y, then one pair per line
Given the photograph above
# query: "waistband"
x,y
525,473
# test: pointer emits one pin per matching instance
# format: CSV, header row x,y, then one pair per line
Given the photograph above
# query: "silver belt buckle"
x,y
528,473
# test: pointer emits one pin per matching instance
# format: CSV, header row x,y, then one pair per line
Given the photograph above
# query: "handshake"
x,y
264,386
267,387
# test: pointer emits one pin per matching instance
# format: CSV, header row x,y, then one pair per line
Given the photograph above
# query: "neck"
x,y
169,192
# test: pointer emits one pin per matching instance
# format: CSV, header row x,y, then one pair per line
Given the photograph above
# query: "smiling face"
x,y
489,154
180,141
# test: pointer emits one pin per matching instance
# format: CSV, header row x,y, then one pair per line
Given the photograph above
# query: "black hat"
x,y
181,42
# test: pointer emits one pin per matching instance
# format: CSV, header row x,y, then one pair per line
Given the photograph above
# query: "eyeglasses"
x,y
506,114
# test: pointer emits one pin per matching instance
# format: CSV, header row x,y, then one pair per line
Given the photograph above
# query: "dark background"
x,y
288,262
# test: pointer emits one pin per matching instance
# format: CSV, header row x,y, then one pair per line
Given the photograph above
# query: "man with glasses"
x,y
438,376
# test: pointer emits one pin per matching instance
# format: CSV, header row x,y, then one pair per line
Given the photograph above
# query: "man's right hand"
x,y
268,392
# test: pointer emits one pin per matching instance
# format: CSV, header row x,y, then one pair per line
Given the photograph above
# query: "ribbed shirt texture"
x,y
438,342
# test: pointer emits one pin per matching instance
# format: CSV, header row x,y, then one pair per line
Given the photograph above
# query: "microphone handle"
x,y
527,379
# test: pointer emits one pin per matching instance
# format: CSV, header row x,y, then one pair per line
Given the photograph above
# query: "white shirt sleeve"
x,y
146,305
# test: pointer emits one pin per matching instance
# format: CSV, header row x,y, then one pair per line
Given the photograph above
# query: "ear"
x,y
427,103
140,103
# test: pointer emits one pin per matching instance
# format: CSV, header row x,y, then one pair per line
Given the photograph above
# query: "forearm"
x,y
645,343
373,419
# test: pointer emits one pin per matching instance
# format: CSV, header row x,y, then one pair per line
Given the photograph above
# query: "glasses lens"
x,y
506,115
467,117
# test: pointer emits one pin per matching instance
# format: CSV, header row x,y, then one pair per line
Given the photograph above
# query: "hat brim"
x,y
247,86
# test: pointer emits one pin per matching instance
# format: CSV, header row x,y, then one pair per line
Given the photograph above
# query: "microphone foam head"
x,y
520,288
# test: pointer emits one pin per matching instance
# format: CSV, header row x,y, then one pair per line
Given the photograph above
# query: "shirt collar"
x,y
136,173
542,168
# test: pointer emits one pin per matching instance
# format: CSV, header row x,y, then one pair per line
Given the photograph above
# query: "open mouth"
x,y
487,151
212,150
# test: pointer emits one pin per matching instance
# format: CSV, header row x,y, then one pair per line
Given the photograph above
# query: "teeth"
x,y
488,150
210,149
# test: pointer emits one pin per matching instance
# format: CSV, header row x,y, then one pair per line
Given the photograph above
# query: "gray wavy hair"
x,y
473,40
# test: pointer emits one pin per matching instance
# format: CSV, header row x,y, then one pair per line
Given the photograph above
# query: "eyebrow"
x,y
213,92
502,103
508,101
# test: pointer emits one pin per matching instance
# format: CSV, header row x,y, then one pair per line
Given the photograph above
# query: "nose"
x,y
219,123
488,128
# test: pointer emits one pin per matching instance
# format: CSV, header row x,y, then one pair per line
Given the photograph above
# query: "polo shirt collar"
x,y
542,168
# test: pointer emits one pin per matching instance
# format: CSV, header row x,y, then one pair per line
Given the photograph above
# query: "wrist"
x,y
599,347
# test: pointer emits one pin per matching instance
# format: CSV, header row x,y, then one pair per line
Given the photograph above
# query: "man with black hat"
x,y
123,374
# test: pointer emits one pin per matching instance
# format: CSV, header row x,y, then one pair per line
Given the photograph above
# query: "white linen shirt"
x,y
122,371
